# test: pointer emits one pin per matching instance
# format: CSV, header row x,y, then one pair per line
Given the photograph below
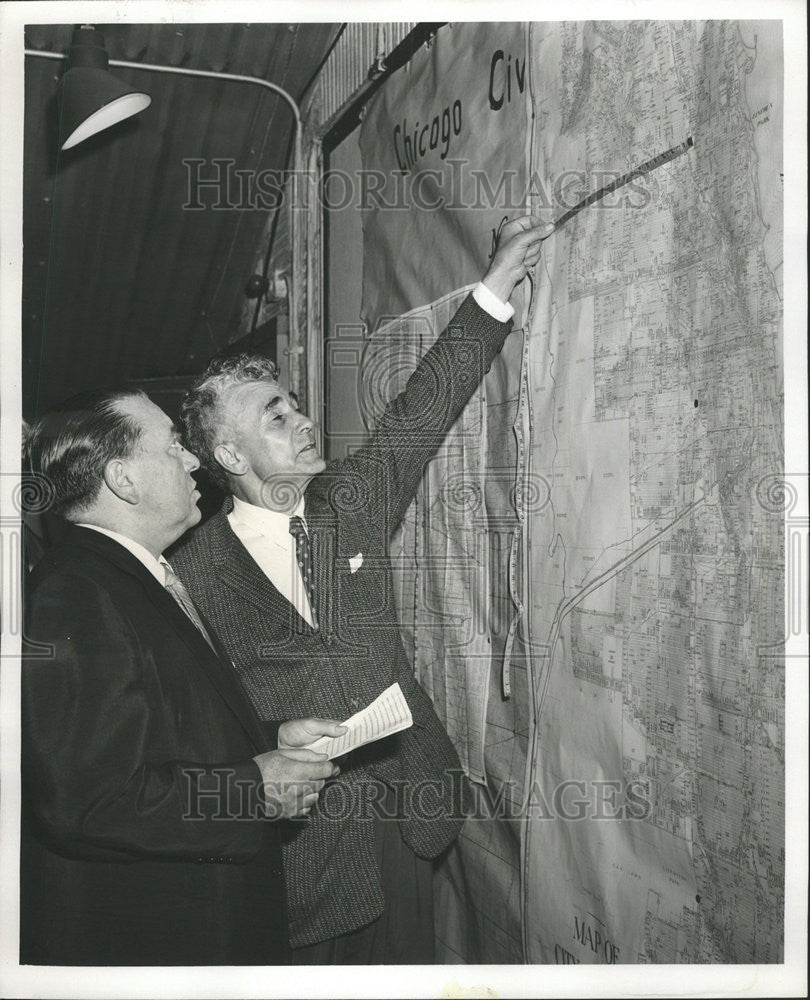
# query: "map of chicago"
x,y
593,575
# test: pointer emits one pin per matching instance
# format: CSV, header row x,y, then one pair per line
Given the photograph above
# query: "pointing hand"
x,y
519,248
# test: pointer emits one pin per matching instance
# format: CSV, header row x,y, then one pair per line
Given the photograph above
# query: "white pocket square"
x,y
355,562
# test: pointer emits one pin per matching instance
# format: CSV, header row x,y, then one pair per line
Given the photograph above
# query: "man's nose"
x,y
305,425
190,460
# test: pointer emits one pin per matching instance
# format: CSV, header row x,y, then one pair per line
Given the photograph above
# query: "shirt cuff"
x,y
490,303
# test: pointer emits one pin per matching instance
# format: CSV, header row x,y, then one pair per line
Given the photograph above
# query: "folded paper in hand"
x,y
387,714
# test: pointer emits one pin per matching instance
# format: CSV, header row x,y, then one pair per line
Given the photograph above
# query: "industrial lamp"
x,y
91,98
112,101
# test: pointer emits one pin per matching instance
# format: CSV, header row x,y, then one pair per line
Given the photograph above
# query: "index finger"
x,y
528,228
526,221
318,767
302,754
321,771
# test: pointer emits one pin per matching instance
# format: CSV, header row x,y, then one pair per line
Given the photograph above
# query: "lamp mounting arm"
x,y
298,167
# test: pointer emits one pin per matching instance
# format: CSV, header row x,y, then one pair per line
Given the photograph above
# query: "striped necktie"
x,y
178,591
304,558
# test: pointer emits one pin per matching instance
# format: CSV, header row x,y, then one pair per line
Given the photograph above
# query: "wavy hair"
x,y
200,411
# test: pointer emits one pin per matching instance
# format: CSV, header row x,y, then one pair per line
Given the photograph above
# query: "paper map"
x,y
592,576
656,566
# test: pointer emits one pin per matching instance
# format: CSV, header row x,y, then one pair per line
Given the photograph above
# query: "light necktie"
x,y
304,558
178,591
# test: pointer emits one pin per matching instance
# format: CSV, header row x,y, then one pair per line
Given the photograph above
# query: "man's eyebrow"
x,y
273,402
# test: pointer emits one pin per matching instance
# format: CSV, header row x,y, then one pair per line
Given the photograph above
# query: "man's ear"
x,y
231,460
118,479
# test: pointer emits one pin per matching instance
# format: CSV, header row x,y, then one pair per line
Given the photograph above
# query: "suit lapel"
x,y
241,574
218,669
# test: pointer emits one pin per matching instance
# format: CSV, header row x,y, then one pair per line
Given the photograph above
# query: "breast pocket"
x,y
365,593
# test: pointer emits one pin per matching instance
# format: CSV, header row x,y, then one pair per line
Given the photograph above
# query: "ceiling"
x,y
120,281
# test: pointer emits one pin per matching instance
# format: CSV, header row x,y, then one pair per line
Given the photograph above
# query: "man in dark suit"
x,y
294,575
149,782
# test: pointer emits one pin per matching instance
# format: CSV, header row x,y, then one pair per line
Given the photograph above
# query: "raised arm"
x,y
416,422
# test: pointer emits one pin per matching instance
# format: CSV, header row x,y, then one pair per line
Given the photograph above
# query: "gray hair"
x,y
199,411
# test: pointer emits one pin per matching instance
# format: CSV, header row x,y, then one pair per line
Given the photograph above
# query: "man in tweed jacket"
x,y
358,869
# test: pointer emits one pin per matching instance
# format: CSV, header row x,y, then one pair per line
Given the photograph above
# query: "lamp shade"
x,y
91,98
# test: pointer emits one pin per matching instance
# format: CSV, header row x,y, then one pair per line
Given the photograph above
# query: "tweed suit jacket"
x,y
291,670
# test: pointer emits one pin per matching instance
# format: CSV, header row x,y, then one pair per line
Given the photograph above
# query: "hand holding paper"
x,y
300,733
389,713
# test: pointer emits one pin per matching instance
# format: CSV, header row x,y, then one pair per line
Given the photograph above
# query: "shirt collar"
x,y
269,522
143,555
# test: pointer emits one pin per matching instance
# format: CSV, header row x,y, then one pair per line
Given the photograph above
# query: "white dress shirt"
x,y
157,567
266,536
489,302
266,533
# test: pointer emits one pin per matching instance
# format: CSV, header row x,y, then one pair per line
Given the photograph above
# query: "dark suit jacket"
x,y
142,840
288,668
